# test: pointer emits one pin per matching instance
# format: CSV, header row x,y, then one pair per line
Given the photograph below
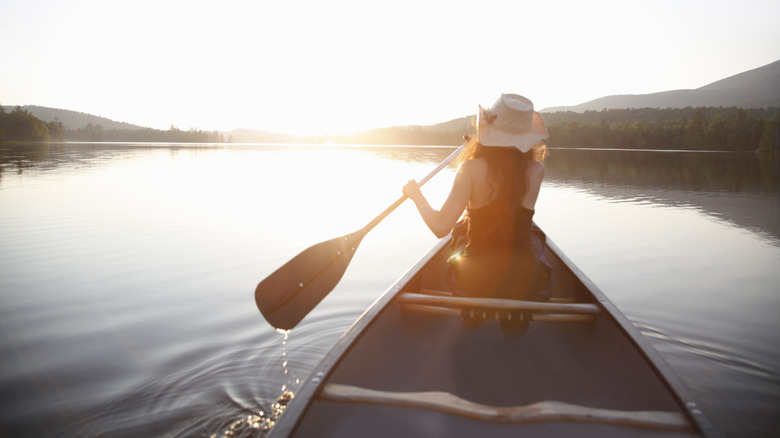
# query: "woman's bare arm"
x,y
443,220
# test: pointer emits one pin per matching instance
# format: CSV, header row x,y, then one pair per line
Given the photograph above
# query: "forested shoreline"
x,y
21,125
701,128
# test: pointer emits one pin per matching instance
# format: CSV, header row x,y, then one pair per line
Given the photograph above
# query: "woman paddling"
x,y
496,248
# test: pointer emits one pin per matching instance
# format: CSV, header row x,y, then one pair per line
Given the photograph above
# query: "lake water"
x,y
127,273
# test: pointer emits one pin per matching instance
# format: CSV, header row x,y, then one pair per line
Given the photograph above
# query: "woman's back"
x,y
503,187
485,187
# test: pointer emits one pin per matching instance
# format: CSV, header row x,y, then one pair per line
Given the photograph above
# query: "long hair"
x,y
507,168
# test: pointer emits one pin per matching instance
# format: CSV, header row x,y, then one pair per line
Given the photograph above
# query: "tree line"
x,y
21,125
397,135
704,128
173,135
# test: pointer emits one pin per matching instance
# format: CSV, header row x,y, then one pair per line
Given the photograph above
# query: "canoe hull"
x,y
603,365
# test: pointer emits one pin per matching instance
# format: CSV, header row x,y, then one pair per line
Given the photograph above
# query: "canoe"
x,y
411,366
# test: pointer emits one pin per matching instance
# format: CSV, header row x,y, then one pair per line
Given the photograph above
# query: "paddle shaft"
x,y
403,198
287,295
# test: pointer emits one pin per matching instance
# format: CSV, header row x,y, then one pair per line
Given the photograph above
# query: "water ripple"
x,y
712,353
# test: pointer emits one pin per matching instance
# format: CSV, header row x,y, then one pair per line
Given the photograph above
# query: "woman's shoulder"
x,y
474,166
535,169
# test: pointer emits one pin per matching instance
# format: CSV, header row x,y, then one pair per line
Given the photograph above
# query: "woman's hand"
x,y
412,190
442,221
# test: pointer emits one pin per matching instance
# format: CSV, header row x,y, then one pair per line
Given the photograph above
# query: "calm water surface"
x,y
127,273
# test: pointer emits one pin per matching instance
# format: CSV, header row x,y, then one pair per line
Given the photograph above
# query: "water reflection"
x,y
705,181
726,172
21,157
740,188
718,172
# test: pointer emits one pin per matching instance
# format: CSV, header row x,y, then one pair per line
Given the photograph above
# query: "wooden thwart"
x,y
498,304
546,411
548,317
446,293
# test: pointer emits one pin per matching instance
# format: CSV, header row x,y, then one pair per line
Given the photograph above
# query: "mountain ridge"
x,y
72,120
756,88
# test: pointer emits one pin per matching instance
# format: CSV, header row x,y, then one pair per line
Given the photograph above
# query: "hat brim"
x,y
489,135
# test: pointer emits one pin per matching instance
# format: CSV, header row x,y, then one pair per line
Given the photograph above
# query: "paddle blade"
x,y
292,291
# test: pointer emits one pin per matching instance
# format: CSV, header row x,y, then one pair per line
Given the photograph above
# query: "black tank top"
x,y
498,259
493,228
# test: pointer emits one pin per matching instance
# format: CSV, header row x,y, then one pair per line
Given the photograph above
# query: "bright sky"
x,y
316,67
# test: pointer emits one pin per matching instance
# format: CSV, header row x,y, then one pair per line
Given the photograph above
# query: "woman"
x,y
497,252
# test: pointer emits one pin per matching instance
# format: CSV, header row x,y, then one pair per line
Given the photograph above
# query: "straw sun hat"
x,y
511,121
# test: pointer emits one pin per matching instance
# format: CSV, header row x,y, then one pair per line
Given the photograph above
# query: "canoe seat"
x,y
545,411
499,308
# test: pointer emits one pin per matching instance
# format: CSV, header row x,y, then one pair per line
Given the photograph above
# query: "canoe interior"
x,y
592,364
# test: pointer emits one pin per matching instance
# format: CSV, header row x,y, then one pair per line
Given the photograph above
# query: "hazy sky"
x,y
317,66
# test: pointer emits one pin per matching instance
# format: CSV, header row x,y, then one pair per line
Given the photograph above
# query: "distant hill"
x,y
73,120
462,124
254,136
446,133
757,88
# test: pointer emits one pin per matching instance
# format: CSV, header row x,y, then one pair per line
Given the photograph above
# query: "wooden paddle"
x,y
292,291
